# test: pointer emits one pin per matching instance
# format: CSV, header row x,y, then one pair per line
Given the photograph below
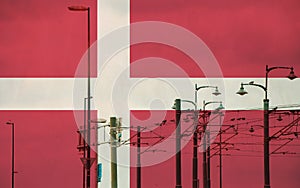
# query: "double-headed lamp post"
x,y
195,136
12,153
206,167
87,9
242,91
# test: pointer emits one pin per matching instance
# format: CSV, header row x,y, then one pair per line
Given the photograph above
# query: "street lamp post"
x,y
177,107
207,154
220,150
242,91
12,153
195,136
83,8
138,169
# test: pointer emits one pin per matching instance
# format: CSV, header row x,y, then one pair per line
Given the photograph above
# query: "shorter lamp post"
x,y
12,153
220,150
195,136
177,107
206,162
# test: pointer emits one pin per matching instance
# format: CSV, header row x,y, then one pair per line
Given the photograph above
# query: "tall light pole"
x,y
195,136
207,164
220,150
177,107
87,9
138,169
242,91
12,153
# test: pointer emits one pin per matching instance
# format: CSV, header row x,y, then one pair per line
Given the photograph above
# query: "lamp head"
x,y
9,123
242,91
292,75
216,92
221,107
251,130
101,120
174,107
279,118
78,8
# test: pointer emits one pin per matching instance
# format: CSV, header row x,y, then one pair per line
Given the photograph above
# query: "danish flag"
x,y
42,44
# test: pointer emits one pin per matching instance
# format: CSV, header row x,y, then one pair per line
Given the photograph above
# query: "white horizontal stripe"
x,y
57,94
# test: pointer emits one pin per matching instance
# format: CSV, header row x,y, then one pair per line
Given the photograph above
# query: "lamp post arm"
x,y
191,102
198,88
260,86
201,87
269,70
212,102
279,67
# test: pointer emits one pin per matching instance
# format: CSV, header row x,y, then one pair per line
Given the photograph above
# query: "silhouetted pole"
x,y
12,153
208,160
84,144
266,144
178,143
242,91
113,152
138,172
195,136
291,76
89,108
88,176
195,144
220,149
13,156
204,167
195,156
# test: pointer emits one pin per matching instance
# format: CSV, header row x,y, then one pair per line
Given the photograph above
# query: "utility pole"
x,y
195,153
206,160
84,142
178,143
113,152
195,144
138,172
12,153
266,144
204,167
220,149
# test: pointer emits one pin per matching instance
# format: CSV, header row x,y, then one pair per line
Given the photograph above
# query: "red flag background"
x,y
42,39
244,36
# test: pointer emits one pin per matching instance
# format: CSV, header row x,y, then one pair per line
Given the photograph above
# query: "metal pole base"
x,y
267,186
195,183
178,186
